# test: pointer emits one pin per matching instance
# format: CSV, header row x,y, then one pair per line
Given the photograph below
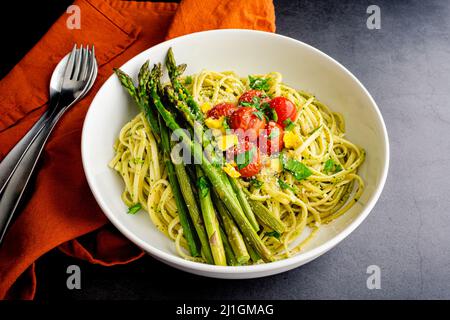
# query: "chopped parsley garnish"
x,y
271,112
289,125
259,114
255,183
296,168
225,123
203,186
254,103
188,80
246,104
274,234
259,83
263,109
283,185
264,106
135,208
331,166
247,158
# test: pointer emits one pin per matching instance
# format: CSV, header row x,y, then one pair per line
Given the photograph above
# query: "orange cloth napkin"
x,y
61,208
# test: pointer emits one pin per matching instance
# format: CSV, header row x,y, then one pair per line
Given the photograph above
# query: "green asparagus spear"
x,y
179,99
233,234
143,76
180,105
244,202
266,217
194,211
211,222
212,173
196,125
231,259
174,73
140,96
253,254
181,206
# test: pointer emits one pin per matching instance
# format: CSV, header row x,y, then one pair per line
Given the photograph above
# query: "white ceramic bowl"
x,y
245,52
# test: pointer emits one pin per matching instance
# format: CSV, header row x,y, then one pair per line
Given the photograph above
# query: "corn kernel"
x,y
231,171
205,107
214,123
291,140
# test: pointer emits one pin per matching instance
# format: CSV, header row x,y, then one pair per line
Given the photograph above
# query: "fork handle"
x,y
9,163
12,192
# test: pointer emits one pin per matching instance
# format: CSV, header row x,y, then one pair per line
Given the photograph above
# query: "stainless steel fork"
x,y
79,75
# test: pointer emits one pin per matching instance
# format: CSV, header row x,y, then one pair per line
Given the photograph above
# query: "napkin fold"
x,y
60,211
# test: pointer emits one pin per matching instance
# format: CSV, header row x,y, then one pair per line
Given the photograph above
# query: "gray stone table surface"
x,y
406,67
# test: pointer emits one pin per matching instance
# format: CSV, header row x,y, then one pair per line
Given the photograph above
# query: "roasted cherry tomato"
x,y
221,110
249,95
247,159
248,122
284,108
271,139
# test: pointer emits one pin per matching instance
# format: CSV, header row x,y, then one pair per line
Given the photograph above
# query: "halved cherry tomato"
x,y
248,159
271,139
221,110
248,122
284,108
249,95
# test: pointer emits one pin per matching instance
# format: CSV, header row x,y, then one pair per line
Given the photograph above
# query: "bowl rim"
x,y
283,264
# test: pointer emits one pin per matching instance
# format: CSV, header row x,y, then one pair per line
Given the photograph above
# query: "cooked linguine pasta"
x,y
317,140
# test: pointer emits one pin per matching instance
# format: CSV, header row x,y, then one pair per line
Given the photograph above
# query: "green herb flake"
x,y
297,169
203,186
331,166
225,124
255,103
135,208
265,106
272,113
246,104
188,80
255,183
248,157
274,234
257,83
289,125
259,114
283,185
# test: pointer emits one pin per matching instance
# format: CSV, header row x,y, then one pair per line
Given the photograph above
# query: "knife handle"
x,y
9,163
17,182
